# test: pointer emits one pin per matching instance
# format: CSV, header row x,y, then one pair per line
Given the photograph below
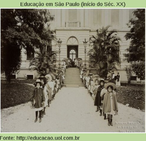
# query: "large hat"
x,y
90,74
38,81
48,77
100,80
110,84
95,75
41,77
52,75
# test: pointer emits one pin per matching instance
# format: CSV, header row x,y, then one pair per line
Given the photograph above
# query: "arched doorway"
x,y
72,48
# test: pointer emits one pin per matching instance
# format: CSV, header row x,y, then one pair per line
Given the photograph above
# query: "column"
x,y
82,17
107,17
63,17
125,18
121,18
103,17
58,17
86,18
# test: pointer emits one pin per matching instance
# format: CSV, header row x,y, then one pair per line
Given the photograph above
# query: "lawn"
x,y
15,93
19,91
132,96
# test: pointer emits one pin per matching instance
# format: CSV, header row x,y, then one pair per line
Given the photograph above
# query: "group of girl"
x,y
44,92
106,101
104,94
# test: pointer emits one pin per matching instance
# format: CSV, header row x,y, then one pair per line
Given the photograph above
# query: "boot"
x,y
36,115
111,120
36,120
40,116
108,120
45,111
40,120
104,116
97,109
100,112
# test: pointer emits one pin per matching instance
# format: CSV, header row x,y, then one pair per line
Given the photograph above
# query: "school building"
x,y
73,26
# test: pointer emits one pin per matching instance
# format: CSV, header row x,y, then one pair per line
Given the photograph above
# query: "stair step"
x,y
72,78
72,85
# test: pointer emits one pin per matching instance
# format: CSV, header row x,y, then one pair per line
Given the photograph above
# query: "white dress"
x,y
57,84
52,84
81,74
103,92
91,86
46,96
87,81
118,83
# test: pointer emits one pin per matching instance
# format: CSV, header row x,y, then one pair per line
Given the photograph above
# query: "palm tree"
x,y
45,57
44,62
104,55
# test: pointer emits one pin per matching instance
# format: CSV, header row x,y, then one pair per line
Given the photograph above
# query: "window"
x,y
72,54
29,76
72,41
13,76
133,77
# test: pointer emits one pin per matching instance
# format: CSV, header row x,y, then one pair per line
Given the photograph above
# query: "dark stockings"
x,y
44,111
100,112
97,108
110,120
36,115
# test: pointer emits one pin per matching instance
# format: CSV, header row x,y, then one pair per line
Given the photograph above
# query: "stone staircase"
x,y
72,78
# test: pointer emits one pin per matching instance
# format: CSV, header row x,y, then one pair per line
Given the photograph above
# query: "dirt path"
x,y
71,111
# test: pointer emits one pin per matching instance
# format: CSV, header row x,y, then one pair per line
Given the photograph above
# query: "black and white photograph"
x,y
73,70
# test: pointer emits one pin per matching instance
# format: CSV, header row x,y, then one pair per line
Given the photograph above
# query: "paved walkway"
x,y
72,110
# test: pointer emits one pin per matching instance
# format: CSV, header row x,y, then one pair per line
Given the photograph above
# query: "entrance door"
x,y
72,52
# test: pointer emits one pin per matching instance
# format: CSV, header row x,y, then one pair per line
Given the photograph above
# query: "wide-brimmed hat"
x,y
95,79
100,80
110,84
90,74
48,77
95,75
38,81
41,77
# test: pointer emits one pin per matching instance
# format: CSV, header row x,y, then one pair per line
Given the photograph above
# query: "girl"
x,y
91,86
95,87
97,101
118,79
110,102
38,100
46,95
48,91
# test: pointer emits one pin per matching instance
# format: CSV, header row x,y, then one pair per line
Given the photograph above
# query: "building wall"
x,y
81,24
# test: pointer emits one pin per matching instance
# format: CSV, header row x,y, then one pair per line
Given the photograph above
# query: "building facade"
x,y
73,26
